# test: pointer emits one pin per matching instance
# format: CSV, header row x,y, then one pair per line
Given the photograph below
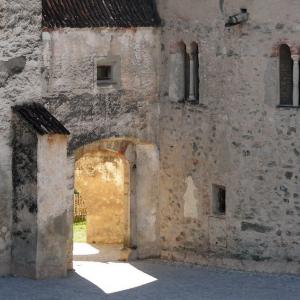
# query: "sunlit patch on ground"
x,y
82,249
113,277
98,252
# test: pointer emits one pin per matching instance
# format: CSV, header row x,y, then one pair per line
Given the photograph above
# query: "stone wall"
x,y
20,81
235,137
91,112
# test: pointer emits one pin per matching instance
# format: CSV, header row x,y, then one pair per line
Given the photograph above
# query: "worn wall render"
x,y
53,206
20,80
235,137
71,89
92,112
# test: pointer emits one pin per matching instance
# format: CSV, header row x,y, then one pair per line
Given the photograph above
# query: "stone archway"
x,y
101,187
141,226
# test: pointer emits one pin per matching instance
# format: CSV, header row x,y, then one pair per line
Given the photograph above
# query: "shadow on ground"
x,y
153,280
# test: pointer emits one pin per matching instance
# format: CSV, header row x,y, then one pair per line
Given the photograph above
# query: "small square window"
x,y
219,200
107,74
104,73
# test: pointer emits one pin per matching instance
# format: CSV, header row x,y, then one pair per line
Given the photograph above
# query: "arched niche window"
x,y
286,75
184,73
178,73
193,95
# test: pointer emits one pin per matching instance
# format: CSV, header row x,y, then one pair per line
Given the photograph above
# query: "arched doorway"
x,y
117,179
101,194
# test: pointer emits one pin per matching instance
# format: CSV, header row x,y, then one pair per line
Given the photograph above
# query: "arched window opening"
x,y
286,75
194,73
186,73
179,73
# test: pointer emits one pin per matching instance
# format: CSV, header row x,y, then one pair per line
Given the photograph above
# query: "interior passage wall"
x,y
100,181
236,137
25,202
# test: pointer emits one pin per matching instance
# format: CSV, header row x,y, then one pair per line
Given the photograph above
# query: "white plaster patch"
x,y
46,36
296,27
190,201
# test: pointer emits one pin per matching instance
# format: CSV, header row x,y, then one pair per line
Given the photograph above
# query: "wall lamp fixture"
x,y
242,17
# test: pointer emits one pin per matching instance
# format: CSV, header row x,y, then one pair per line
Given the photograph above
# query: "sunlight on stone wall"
x,y
99,178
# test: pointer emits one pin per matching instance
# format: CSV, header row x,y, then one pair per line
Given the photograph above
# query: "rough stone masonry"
x,y
227,183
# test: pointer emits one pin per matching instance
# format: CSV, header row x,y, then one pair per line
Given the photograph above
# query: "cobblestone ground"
x,y
153,280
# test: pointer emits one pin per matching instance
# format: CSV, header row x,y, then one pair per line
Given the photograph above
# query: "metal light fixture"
x,y
242,17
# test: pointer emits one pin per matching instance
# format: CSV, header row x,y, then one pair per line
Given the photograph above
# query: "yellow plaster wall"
x,y
99,178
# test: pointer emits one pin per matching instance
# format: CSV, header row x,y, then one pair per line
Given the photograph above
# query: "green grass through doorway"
x,y
79,232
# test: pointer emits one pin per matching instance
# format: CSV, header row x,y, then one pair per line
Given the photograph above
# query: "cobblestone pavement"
x,y
153,280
